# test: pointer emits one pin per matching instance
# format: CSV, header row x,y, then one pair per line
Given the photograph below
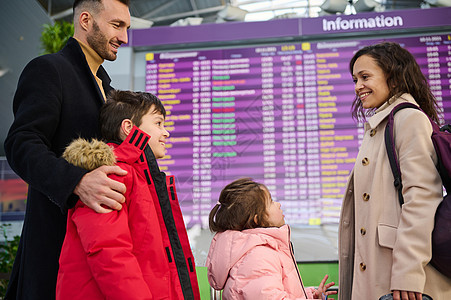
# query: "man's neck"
x,y
94,60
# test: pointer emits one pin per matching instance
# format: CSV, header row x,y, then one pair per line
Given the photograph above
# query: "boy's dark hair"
x,y
95,3
403,76
122,105
239,202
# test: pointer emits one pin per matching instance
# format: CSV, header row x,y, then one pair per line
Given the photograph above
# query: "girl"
x,y
251,256
384,247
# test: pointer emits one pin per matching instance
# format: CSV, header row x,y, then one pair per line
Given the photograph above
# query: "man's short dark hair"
x,y
95,2
122,105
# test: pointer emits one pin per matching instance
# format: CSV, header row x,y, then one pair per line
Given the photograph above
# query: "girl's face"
x,y
274,215
370,82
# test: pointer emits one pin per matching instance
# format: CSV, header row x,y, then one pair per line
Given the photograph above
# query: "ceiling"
x,y
161,12
166,12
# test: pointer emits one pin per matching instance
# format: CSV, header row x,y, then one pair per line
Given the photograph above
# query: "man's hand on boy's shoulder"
x,y
101,193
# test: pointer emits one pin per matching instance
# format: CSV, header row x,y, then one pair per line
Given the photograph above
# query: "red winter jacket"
x,y
139,252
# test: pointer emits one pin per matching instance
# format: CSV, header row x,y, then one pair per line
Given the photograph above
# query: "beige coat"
x,y
380,248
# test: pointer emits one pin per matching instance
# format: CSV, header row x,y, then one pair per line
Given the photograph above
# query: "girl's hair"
x,y
403,76
239,202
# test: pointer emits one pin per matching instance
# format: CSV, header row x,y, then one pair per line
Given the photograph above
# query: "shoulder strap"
x,y
391,151
441,138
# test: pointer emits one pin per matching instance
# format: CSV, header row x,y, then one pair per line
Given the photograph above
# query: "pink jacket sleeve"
x,y
108,245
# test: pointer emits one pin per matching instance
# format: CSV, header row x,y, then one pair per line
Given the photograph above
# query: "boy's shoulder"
x,y
89,155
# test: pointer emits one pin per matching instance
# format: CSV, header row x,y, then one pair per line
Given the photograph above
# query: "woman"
x,y
384,247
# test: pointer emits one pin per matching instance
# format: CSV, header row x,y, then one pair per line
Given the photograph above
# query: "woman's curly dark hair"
x,y
403,76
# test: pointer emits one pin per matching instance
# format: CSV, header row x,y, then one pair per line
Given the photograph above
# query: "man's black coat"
x,y
57,100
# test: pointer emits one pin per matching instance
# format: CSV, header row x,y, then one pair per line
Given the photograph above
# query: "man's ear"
x,y
84,20
126,127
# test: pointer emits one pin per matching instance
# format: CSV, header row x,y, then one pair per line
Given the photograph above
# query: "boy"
x,y
141,251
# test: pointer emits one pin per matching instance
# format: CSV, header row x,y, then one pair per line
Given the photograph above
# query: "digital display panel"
x,y
279,114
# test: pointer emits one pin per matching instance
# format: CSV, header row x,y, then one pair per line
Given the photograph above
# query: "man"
x,y
58,98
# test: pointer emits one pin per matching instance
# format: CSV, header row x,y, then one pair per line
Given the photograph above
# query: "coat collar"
x,y
76,55
132,147
386,108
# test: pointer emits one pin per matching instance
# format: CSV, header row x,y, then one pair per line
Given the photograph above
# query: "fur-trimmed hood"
x,y
89,155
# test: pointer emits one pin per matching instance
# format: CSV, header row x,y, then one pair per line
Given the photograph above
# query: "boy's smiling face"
x,y
152,123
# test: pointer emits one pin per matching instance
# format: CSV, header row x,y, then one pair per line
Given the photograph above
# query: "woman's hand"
x,y
406,295
322,288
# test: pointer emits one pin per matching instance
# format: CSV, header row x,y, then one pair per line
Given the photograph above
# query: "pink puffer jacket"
x,y
255,264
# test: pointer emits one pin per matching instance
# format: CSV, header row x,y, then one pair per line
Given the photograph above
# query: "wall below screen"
x,y
312,274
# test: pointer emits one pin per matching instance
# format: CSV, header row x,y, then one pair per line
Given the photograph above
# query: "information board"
x,y
279,114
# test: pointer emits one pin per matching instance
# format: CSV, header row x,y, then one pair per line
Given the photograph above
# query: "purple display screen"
x,y
279,114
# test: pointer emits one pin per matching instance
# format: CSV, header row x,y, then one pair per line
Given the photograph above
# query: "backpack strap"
x,y
441,138
390,147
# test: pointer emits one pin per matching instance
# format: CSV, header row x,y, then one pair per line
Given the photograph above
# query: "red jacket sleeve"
x,y
108,245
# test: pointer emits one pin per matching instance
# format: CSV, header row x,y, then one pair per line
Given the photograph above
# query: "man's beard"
x,y
99,43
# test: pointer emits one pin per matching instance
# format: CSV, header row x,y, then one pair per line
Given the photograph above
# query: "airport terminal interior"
x,y
253,88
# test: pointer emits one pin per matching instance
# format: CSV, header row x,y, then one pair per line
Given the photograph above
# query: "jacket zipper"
x,y
294,261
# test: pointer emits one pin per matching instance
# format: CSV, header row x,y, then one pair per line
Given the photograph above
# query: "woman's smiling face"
x,y
370,82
